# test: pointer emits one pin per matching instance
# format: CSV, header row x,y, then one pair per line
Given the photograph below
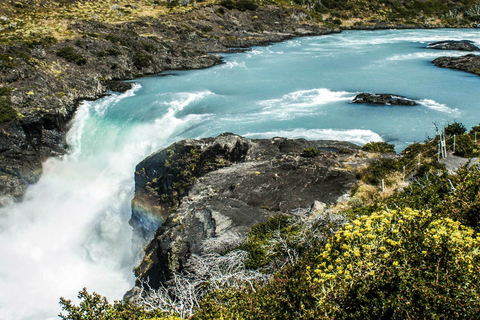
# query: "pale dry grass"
x,y
50,19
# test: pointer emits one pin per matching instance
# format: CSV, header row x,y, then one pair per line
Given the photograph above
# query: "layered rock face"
x,y
219,187
46,87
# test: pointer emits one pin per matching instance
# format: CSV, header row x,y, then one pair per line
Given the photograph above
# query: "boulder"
x,y
462,45
469,63
214,188
383,99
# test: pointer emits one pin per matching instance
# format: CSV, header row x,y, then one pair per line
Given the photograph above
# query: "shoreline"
x,y
40,132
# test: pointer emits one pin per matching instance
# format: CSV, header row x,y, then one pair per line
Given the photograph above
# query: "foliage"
x,y
95,307
109,52
409,262
7,112
455,128
68,53
6,61
379,147
258,237
310,153
141,60
241,5
389,265
451,196
464,146
288,245
375,172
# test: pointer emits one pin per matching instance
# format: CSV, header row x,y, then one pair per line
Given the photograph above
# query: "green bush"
x,y
378,170
455,128
95,307
241,5
464,146
6,61
141,60
5,91
310,153
7,112
389,265
398,265
379,147
69,54
149,47
46,41
258,237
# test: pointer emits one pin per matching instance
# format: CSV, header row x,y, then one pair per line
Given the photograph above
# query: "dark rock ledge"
x,y
383,99
210,188
461,45
469,63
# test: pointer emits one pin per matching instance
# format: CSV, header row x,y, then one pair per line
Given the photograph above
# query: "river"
x,y
71,230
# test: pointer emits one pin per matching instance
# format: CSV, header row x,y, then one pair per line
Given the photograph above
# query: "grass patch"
x,y
69,54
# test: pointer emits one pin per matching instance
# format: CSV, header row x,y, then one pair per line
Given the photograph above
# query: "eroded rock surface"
x,y
469,63
383,99
215,187
461,45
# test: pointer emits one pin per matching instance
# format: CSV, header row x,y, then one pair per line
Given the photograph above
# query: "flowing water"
x,y
71,230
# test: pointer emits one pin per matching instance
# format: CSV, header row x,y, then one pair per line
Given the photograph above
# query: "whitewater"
x,y
71,230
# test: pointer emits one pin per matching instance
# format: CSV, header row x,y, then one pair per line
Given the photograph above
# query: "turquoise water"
x,y
72,228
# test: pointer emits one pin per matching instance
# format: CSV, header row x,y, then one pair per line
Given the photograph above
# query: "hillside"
x,y
33,19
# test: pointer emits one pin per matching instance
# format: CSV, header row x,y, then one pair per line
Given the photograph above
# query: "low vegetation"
x,y
380,147
69,54
412,255
29,20
7,112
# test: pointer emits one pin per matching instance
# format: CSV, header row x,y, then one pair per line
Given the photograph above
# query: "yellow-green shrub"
x,y
399,265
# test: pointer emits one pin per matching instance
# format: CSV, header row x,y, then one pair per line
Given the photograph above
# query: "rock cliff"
x,y
218,187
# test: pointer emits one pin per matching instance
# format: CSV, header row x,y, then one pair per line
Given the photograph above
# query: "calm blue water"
x,y
72,230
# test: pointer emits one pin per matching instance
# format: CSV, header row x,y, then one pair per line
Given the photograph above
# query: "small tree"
x,y
455,128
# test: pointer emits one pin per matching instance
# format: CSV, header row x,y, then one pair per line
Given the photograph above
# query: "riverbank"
x,y
44,81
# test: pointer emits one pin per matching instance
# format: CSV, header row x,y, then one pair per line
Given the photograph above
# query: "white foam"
x,y
431,104
183,99
357,136
101,106
233,64
425,55
396,36
302,102
71,230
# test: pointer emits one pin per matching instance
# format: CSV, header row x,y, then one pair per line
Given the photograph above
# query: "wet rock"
x,y
209,188
469,63
119,86
461,45
383,99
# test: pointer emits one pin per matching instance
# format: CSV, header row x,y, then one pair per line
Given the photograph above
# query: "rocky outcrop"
x,y
383,99
216,187
469,63
461,45
47,86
